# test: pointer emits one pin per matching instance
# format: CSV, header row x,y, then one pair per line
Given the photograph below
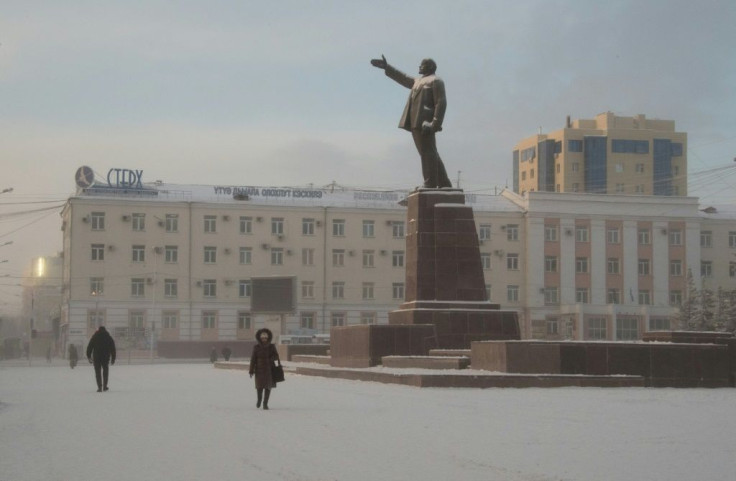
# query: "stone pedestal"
x,y
446,305
445,286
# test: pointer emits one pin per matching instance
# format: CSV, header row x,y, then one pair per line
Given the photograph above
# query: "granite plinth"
x,y
457,327
365,345
660,364
426,362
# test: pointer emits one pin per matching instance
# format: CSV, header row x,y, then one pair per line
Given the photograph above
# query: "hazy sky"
x,y
282,93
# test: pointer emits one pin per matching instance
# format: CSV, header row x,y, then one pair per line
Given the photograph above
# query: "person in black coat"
x,y
101,348
226,353
73,355
264,356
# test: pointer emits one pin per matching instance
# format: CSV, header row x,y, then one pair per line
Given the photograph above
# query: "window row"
x,y
170,223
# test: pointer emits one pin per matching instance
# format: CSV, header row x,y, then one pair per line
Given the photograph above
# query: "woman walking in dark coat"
x,y
263,357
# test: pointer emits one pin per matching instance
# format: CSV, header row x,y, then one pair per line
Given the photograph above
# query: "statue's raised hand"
x,y
379,62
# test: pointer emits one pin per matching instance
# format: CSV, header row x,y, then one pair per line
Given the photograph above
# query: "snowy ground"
x,y
193,422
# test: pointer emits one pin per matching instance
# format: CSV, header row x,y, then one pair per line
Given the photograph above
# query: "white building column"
x,y
630,260
598,262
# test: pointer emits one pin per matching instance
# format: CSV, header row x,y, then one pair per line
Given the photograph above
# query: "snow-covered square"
x,y
193,422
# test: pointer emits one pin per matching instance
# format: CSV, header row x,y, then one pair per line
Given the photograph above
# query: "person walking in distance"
x,y
101,349
263,357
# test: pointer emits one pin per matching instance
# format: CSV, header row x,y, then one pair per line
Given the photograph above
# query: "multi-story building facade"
x,y
179,261
605,155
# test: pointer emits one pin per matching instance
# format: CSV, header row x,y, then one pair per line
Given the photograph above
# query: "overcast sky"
x,y
282,93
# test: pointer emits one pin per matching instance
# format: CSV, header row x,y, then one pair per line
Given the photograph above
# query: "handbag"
x,y
277,373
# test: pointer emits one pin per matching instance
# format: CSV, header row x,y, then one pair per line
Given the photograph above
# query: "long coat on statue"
x,y
263,357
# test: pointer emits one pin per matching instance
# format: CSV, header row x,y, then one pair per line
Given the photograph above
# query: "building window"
x,y
639,168
550,296
512,262
706,269
246,225
706,239
244,320
581,295
277,226
368,228
581,265
397,258
512,232
137,287
621,146
732,239
397,290
659,324
171,254
644,267
552,327
306,320
575,167
397,229
581,233
512,293
368,258
485,260
171,288
488,292
676,267
337,319
95,318
139,253
576,187
619,188
612,235
245,288
367,317
96,286
484,232
277,256
614,296
209,319
574,145
338,290
550,263
675,298
639,189
338,257
645,298
171,222
169,319
307,290
550,233
97,219
246,255
307,256
627,329
338,227
523,175
613,265
597,328
137,320
675,238
210,223
644,237
98,252
368,291
307,226
732,269
210,254
209,287
139,222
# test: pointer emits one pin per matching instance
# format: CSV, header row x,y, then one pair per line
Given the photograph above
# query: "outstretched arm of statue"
x,y
379,62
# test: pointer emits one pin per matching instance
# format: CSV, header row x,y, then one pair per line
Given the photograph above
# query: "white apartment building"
x,y
176,261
